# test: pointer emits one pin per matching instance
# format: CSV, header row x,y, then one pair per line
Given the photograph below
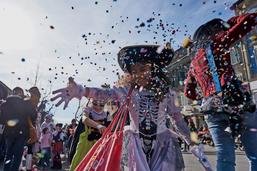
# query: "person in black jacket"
x,y
14,114
3,96
32,108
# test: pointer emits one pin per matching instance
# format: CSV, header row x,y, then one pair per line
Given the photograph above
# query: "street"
x,y
192,164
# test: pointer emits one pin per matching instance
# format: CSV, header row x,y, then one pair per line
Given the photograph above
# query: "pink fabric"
x,y
45,140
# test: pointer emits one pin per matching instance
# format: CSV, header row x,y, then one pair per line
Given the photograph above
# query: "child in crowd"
x,y
45,146
95,120
58,139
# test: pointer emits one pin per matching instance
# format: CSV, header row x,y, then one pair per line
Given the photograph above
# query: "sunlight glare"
x,y
17,31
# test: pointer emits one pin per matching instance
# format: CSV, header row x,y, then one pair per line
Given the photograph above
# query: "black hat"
x,y
159,55
210,28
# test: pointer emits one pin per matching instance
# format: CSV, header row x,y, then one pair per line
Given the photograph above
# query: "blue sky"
x,y
57,37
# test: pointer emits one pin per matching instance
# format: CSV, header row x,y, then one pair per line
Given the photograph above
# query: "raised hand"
x,y
101,128
73,90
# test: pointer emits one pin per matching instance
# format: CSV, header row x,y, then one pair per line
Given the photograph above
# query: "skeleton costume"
x,y
152,145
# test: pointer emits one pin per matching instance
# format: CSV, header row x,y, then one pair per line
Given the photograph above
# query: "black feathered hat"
x,y
210,28
159,55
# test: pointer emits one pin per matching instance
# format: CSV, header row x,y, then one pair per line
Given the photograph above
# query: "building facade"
x,y
248,46
177,72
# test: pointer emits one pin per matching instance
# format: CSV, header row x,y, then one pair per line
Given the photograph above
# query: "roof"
x,y
5,86
4,90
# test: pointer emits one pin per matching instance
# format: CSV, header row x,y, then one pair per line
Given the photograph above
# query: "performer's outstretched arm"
x,y
74,90
239,26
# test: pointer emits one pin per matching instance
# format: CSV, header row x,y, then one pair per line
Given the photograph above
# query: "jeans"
x,y
14,150
225,144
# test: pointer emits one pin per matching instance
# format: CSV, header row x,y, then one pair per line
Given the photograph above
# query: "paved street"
x,y
193,165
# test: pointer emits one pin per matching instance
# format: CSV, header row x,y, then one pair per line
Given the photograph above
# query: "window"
x,y
184,100
255,50
240,76
235,55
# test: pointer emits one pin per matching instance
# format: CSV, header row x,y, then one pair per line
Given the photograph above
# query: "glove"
x,y
187,42
73,90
